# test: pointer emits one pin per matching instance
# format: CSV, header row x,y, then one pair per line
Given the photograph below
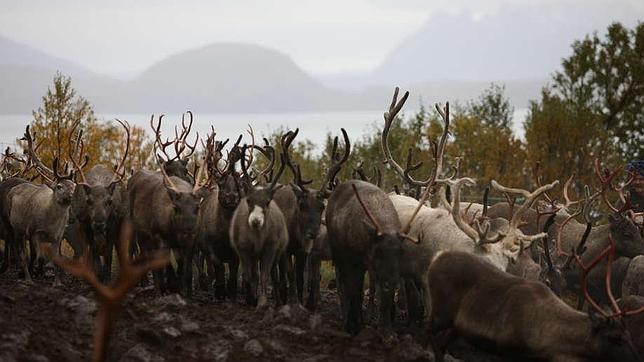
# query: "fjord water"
x,y
313,125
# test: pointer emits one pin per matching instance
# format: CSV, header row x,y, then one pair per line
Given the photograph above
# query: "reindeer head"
x,y
628,239
608,332
185,204
258,198
62,185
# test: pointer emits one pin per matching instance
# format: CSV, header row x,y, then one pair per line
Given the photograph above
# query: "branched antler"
x,y
110,297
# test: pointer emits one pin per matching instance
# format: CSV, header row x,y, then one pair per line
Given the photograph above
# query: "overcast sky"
x,y
124,37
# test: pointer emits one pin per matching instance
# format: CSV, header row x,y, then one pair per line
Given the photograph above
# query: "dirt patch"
x,y
41,323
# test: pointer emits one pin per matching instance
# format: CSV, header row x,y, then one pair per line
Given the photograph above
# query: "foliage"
x,y
605,77
565,140
492,108
104,142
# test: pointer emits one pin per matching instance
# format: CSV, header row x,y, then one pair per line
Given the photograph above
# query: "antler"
x,y
336,161
438,148
478,233
606,179
110,297
286,141
77,147
180,141
119,170
530,198
609,254
537,180
199,175
370,216
33,161
158,142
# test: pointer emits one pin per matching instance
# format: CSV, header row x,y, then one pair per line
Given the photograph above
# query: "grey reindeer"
x,y
164,211
38,214
259,235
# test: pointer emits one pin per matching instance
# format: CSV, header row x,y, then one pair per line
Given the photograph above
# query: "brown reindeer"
x,y
519,318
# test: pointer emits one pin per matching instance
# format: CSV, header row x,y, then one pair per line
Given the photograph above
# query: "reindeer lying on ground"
x,y
519,318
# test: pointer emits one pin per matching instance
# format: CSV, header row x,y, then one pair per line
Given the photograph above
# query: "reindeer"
x,y
259,235
39,214
164,211
320,251
303,209
446,228
520,318
6,232
364,232
99,204
217,212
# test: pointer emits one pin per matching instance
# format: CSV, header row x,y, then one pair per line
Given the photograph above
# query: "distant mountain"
x,y
223,77
521,41
14,53
229,77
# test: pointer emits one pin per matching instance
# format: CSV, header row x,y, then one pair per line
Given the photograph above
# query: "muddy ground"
x,y
42,323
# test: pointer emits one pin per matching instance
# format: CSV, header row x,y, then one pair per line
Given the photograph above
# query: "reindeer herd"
x,y
493,276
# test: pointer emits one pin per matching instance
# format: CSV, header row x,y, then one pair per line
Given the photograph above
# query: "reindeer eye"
x,y
90,201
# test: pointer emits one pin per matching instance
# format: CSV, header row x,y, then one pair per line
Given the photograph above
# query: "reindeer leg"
x,y
24,248
233,280
300,264
58,272
351,280
266,265
314,284
371,303
292,289
283,277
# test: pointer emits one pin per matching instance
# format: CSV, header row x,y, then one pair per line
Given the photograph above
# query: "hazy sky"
x,y
123,37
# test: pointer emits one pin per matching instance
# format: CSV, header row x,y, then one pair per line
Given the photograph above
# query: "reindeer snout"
x,y
256,218
99,225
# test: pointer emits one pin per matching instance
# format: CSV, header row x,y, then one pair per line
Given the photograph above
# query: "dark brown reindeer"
x,y
99,205
164,211
522,319
259,235
302,208
364,234
216,214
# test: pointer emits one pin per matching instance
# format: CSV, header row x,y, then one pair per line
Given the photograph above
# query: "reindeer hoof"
x,y
262,302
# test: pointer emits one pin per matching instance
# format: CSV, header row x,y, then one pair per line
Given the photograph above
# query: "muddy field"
x,y
42,323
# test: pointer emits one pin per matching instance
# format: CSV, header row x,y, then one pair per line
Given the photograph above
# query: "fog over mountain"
x,y
450,57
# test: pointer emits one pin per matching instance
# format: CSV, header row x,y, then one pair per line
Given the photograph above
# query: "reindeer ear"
x,y
298,191
184,161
